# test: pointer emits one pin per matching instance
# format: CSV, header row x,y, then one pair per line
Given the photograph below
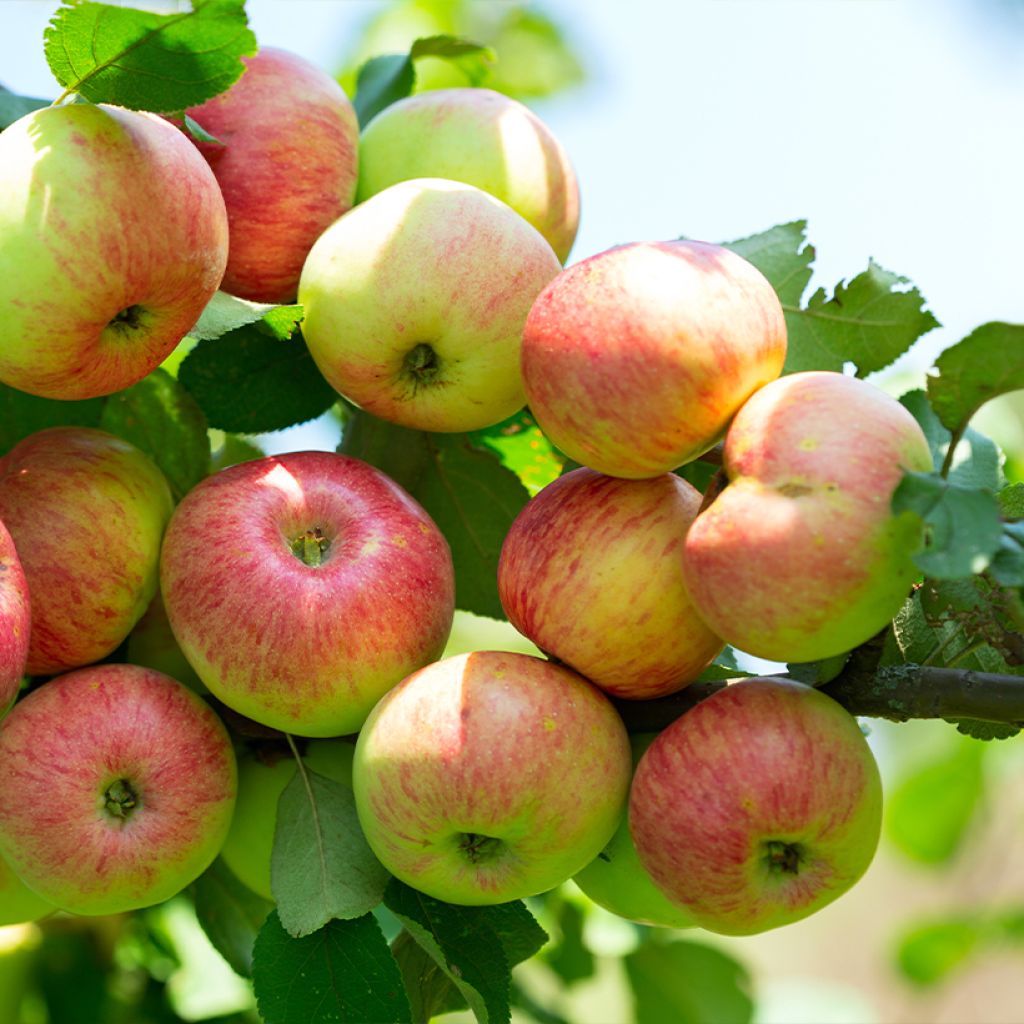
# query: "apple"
x,y
591,571
490,776
616,880
800,557
87,511
415,301
287,166
636,359
114,239
302,587
15,621
262,779
117,786
151,644
18,903
758,807
482,138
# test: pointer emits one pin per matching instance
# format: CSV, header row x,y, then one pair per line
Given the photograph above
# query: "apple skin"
x,y
308,649
490,776
800,557
250,842
635,359
482,138
617,881
87,511
287,168
757,807
117,786
415,302
151,644
114,236
15,621
18,903
591,572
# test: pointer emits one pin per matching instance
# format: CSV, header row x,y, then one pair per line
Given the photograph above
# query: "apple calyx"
x,y
422,363
479,849
120,800
783,858
129,319
311,547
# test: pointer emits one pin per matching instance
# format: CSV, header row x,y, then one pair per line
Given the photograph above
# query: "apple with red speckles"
x,y
15,620
287,164
758,807
591,571
117,786
490,776
415,302
636,359
113,237
302,587
800,557
87,512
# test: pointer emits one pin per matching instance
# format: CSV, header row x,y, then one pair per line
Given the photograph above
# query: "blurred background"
x,y
896,128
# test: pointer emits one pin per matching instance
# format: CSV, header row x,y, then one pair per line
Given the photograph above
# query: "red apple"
x,y
490,776
15,621
87,512
287,168
801,557
591,571
114,238
635,360
117,786
758,807
302,587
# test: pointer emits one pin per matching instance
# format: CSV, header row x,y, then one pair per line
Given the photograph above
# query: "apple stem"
x,y
121,799
311,547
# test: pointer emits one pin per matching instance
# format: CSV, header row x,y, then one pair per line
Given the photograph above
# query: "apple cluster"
x,y
311,594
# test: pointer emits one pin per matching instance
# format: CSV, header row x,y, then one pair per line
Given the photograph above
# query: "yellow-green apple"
x,y
758,807
15,620
415,301
636,359
591,571
151,644
113,237
18,903
302,587
87,511
117,786
262,778
482,138
287,166
490,776
800,557
616,880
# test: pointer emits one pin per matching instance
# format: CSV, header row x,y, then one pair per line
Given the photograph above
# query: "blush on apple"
x,y
15,621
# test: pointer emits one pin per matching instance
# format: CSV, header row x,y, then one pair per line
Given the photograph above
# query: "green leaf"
x,y
962,527
225,313
249,383
145,61
522,447
985,731
688,983
476,947
1011,501
342,973
929,812
321,867
22,414
570,958
929,953
989,362
471,496
784,256
162,419
230,914
818,673
1007,565
431,992
536,59
233,450
13,107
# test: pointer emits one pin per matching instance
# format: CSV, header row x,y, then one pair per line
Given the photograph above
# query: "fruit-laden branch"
x,y
895,692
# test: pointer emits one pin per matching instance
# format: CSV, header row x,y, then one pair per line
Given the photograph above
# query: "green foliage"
x,y
22,415
347,974
569,957
930,952
523,448
159,62
225,313
13,106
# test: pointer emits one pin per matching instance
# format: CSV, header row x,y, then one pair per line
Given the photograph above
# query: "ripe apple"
x,y
117,786
616,880
758,807
15,621
591,571
287,168
490,776
18,903
302,587
415,302
801,557
261,781
114,238
635,360
87,511
482,138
